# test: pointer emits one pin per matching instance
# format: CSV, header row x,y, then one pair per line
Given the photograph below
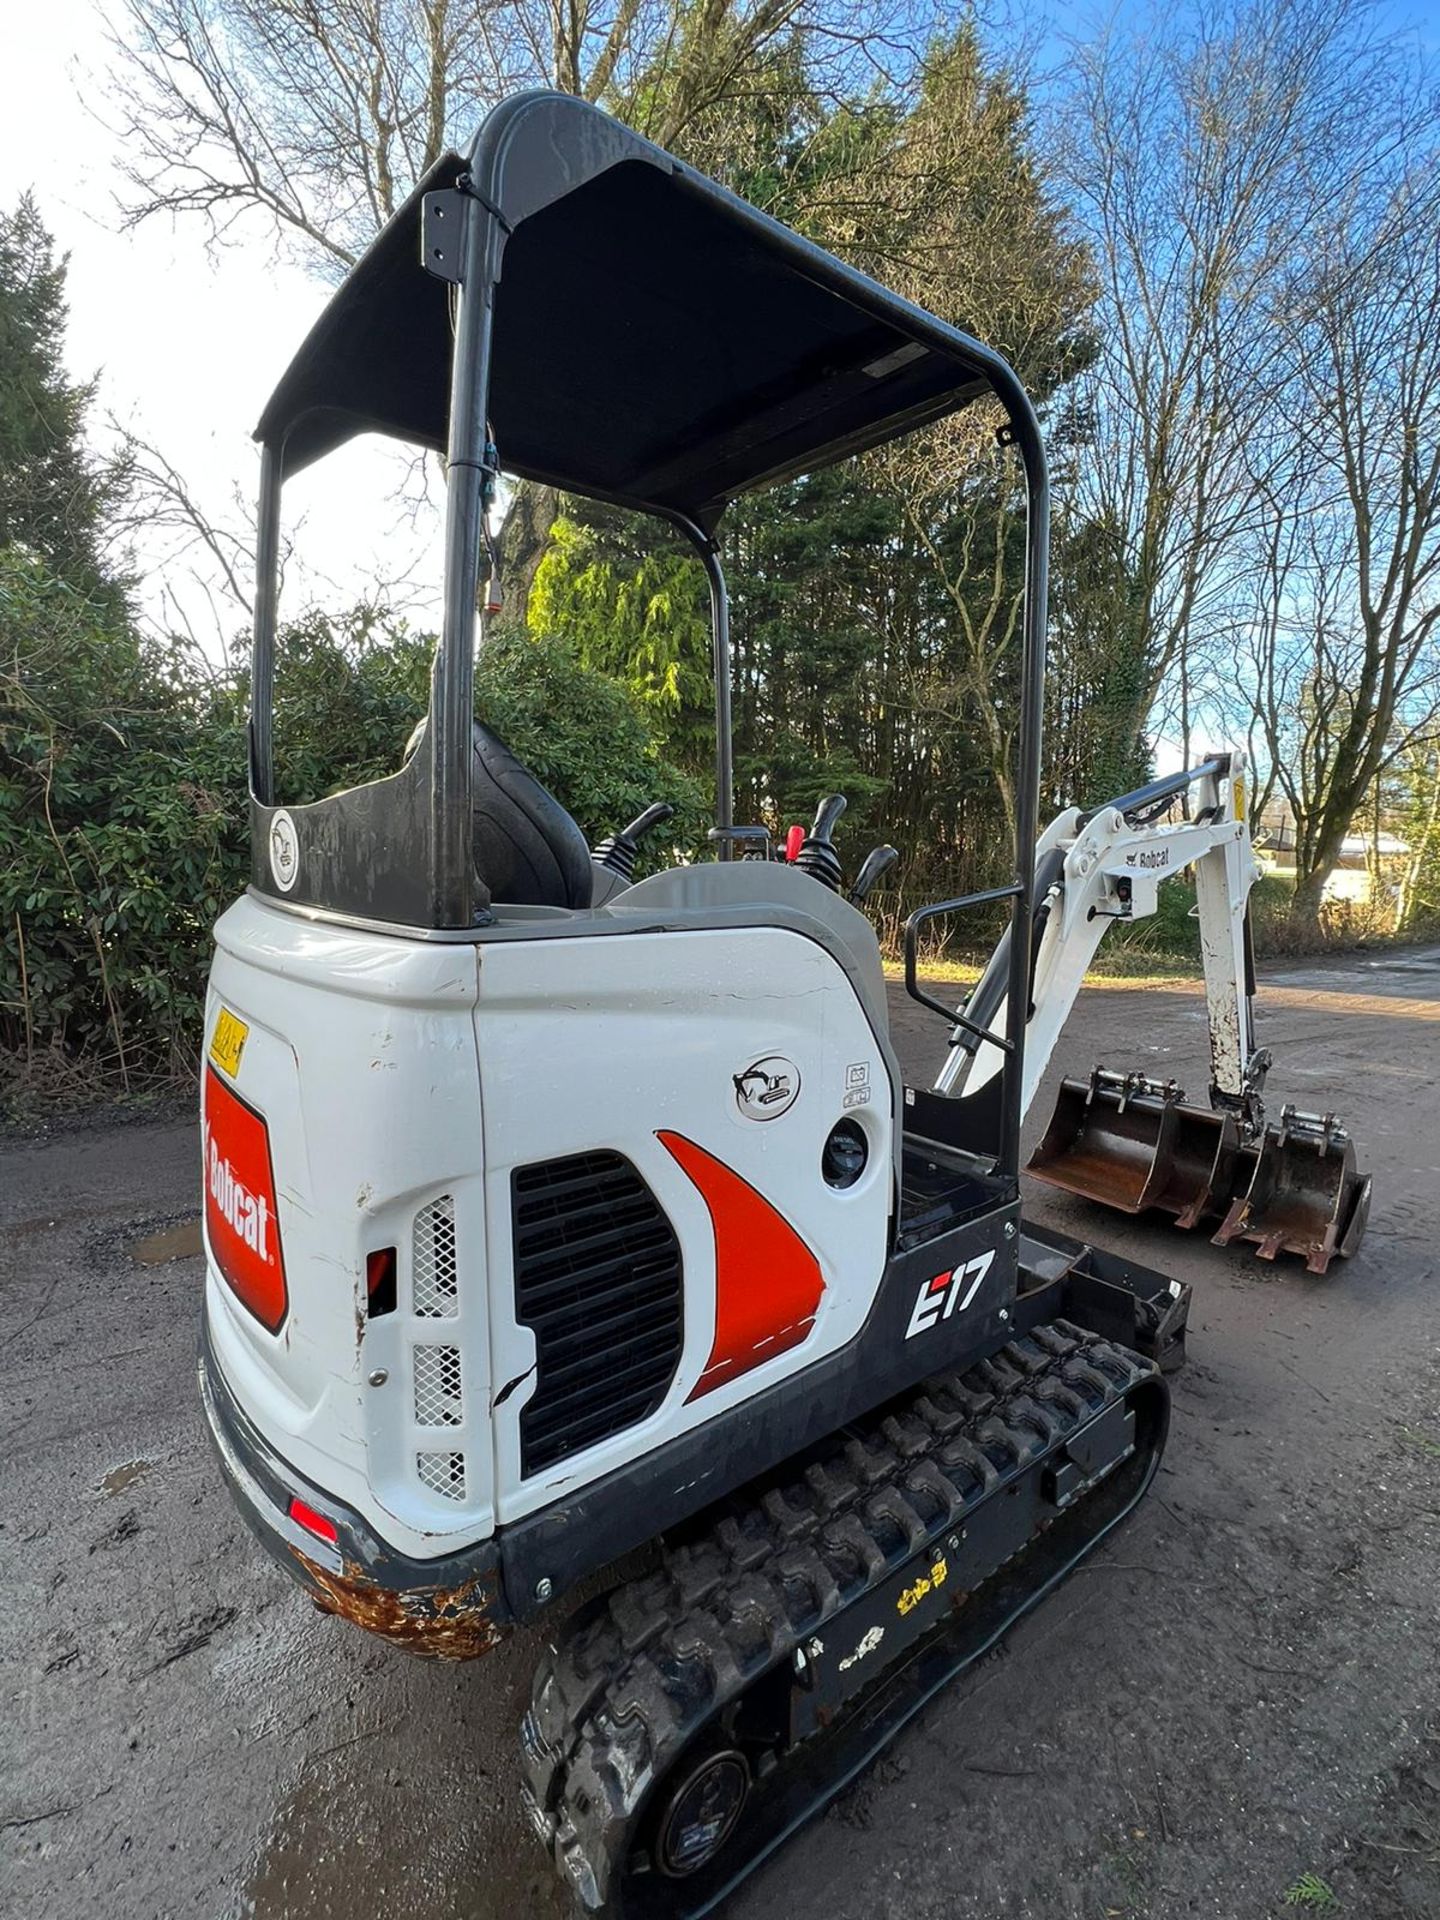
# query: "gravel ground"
x,y
1242,1689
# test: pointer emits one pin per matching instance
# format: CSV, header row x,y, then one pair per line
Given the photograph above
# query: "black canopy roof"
x,y
656,340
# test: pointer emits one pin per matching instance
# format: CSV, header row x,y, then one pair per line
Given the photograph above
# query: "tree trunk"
x,y
523,540
1305,905
1420,845
1315,860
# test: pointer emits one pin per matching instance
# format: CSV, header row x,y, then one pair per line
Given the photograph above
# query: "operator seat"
x,y
528,851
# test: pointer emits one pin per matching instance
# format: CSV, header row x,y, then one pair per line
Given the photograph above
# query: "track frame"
x,y
749,1637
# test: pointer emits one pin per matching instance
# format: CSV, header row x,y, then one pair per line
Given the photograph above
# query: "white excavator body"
x,y
404,1087
551,1213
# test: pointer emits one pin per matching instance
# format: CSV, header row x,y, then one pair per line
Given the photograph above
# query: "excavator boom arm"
x,y
1125,1139
1094,870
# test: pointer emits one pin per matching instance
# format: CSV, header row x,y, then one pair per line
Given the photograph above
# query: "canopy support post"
x,y
705,546
262,643
1023,432
468,469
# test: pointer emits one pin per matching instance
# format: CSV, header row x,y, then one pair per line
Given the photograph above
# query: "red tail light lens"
x,y
314,1522
380,1282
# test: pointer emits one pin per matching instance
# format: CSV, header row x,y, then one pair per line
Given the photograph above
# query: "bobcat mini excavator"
x,y
552,1214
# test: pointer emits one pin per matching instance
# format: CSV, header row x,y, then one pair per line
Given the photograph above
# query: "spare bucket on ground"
x,y
1134,1143
1131,1142
1302,1194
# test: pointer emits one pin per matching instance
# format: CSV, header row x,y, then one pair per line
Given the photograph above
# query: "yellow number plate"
x,y
227,1042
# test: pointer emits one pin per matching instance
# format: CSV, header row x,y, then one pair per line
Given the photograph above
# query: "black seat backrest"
x,y
528,850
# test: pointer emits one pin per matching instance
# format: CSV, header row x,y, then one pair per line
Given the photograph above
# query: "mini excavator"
x,y
553,1213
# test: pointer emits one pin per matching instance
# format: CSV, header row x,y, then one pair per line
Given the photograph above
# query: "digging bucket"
x,y
1132,1143
1297,1191
1198,1175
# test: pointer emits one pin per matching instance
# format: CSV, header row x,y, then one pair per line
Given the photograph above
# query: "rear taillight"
x,y
313,1522
380,1282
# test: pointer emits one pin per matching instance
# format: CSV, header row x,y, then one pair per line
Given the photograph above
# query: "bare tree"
x,y
320,115
956,489
317,117
1348,643
1415,895
951,207
162,507
1199,155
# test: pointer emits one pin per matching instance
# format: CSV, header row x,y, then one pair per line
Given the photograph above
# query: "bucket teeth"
x,y
1303,1194
1134,1144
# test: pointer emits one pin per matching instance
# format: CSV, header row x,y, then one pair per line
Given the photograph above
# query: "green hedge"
x,y
120,824
122,800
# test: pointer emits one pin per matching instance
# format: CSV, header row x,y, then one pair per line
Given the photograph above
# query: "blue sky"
x,y
188,343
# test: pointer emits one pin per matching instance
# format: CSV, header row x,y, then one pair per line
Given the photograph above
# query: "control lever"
x,y
817,856
620,851
879,860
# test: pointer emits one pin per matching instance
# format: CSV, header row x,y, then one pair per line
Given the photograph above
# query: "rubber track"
x,y
629,1684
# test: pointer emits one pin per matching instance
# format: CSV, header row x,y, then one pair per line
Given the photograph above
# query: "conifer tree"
x,y
52,495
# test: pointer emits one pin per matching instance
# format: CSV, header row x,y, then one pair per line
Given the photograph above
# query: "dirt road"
x,y
1243,1689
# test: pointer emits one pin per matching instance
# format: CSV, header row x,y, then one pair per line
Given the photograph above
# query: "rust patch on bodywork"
x,y
441,1623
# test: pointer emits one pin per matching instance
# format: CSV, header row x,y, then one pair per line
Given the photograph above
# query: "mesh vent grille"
x,y
443,1473
598,1282
433,1266
439,1401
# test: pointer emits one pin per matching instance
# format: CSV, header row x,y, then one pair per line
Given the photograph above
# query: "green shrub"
x,y
348,694
122,798
348,691
121,823
584,735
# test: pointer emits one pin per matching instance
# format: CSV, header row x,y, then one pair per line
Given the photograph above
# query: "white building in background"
x,y
1367,872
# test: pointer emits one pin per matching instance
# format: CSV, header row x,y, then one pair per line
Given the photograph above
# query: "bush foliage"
x,y
119,830
122,796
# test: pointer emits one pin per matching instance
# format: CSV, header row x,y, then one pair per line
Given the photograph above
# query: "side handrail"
x,y
920,918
